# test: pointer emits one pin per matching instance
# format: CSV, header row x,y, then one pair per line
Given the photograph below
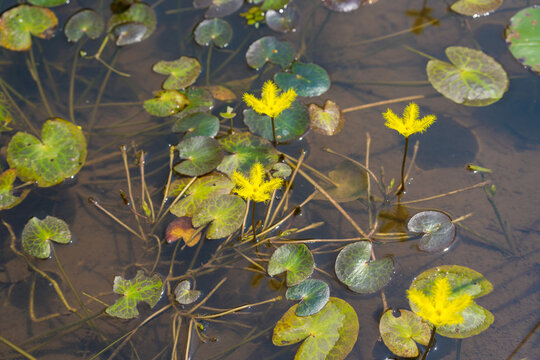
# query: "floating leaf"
x,y
221,93
355,269
86,21
523,37
197,124
473,78
182,72
438,229
37,235
475,7
47,3
400,333
305,79
166,103
199,100
281,170
225,212
342,5
135,24
218,8
349,183
313,295
274,4
246,150
329,334
16,25
284,20
462,280
183,293
202,154
296,259
269,49
129,33
327,120
140,289
181,228
290,124
59,155
202,189
217,31
7,199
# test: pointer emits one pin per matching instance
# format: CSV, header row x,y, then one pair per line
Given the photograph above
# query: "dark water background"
x,y
504,137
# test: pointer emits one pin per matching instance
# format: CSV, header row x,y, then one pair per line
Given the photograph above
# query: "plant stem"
x,y
383,102
34,73
253,221
274,132
16,348
401,188
430,343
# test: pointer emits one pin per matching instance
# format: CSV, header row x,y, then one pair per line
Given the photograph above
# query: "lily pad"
x,y
313,295
290,124
400,334
269,49
224,212
221,93
197,124
296,259
342,5
473,78
202,154
475,7
7,199
274,4
59,155
216,31
47,3
462,280
284,20
329,334
182,72
184,294
181,228
37,235
86,21
305,79
135,24
438,229
202,189
349,183
523,37
140,289
166,103
129,33
281,170
355,268
246,149
199,100
327,120
218,8
18,23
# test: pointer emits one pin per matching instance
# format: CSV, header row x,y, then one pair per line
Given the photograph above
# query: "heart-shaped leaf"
x,y
59,155
284,20
135,24
305,79
218,8
16,25
86,21
225,212
140,289
473,78
438,229
182,72
475,7
281,170
401,333
343,5
296,259
313,295
202,154
199,100
166,103
184,294
269,49
216,31
37,235
197,124
7,199
349,183
327,120
181,228
355,269
523,37
329,334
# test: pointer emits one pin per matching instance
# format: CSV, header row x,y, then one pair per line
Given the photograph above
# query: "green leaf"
x,y
284,20
327,120
59,155
305,79
290,124
225,212
202,155
281,170
349,183
355,268
218,8
475,8
329,334
313,295
7,199
401,333
166,103
462,280
182,72
343,5
523,37
140,289
269,49
47,3
296,259
197,124
86,21
183,293
216,31
274,4
437,228
199,100
16,25
134,25
246,149
37,234
473,78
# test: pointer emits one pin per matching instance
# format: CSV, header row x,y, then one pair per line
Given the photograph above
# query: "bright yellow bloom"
x,y
270,102
409,123
437,308
255,188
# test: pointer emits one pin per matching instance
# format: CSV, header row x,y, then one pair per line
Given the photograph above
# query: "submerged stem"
x,y
430,343
401,188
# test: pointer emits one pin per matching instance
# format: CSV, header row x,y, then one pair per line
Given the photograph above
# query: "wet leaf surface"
x,y
269,49
199,100
349,183
37,235
181,228
283,21
523,37
313,295
202,154
18,23
342,5
295,259
182,72
48,3
216,31
218,8
327,120
7,198
224,213
86,21
400,334
475,8
197,124
166,103
437,229
135,24
184,294
306,79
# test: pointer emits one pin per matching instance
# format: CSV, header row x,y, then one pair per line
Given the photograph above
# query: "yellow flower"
x,y
255,188
409,123
270,102
437,308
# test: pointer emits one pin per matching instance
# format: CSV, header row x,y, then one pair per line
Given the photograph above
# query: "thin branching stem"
x,y
230,311
447,193
383,102
32,68
16,348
